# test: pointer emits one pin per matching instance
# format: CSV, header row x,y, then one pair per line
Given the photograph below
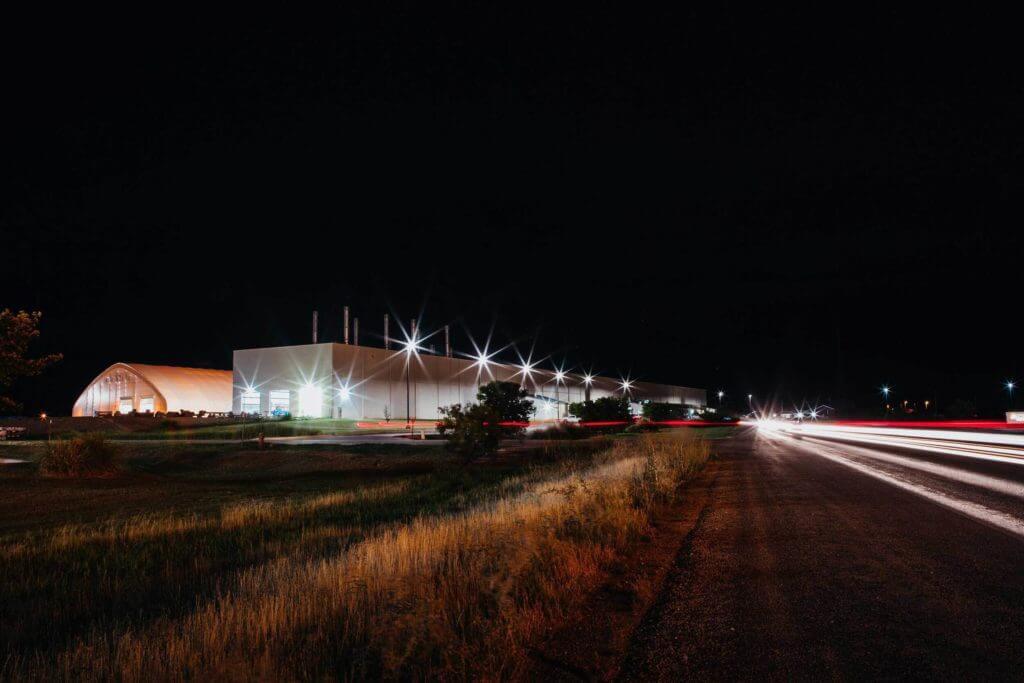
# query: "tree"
x,y
17,331
661,412
510,403
476,429
607,409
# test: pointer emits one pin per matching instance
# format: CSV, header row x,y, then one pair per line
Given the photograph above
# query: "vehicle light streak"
x,y
971,509
999,446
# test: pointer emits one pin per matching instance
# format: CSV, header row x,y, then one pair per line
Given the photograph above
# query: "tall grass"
x,y
451,595
82,456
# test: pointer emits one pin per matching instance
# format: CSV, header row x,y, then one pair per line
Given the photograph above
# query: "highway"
x,y
846,553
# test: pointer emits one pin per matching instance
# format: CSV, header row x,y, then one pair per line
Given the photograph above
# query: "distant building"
x,y
343,380
126,387
350,381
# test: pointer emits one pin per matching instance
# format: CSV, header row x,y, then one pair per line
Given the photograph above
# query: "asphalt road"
x,y
814,559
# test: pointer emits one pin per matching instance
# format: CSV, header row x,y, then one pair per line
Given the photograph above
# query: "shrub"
x,y
659,412
476,429
83,456
472,431
607,409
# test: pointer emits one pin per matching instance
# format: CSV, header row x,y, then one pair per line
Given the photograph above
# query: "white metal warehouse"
x,y
361,382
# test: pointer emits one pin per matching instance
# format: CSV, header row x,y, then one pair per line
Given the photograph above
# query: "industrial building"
x,y
343,380
127,387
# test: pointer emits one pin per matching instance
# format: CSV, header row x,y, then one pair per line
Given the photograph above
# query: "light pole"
x,y
720,395
559,377
1010,386
885,395
410,350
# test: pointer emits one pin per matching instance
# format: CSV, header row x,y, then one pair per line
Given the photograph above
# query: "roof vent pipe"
x,y
355,331
387,337
315,326
447,343
344,329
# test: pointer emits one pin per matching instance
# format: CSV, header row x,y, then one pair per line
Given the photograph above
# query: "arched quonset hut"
x,y
124,387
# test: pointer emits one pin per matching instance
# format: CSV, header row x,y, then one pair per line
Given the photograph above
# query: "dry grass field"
x,y
204,562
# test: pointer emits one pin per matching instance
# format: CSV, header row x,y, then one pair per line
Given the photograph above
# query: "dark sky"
x,y
801,206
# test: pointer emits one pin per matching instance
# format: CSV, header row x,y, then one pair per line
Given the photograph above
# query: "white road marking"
x,y
974,510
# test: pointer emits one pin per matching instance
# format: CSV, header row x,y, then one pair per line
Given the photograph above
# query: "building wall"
x,y
370,383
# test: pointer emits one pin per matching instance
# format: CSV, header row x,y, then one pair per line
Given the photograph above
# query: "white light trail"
x,y
980,512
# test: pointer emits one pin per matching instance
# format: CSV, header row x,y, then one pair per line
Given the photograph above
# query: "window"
x,y
125,405
251,402
280,402
146,404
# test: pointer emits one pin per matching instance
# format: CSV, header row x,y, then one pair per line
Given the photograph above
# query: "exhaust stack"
x,y
355,331
344,329
315,326
387,336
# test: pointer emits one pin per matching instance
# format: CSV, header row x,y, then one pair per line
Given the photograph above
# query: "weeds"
x,y
458,592
83,456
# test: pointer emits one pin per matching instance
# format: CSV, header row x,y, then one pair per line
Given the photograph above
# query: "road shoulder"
x,y
594,643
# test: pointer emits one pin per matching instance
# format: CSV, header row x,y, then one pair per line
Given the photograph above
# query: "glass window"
x,y
280,402
146,405
124,406
251,402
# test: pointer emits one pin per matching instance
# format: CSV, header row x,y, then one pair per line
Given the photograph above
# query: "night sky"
x,y
799,206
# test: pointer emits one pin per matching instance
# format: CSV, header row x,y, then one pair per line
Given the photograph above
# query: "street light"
x,y
411,349
720,395
560,377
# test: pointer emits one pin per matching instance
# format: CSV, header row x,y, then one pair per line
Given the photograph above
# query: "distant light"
x,y
42,416
1010,385
412,346
885,390
588,379
721,393
525,369
344,394
814,414
482,358
750,397
559,375
626,385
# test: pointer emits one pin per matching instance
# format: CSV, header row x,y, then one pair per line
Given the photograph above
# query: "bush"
x,y
472,431
477,429
660,412
83,456
607,409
